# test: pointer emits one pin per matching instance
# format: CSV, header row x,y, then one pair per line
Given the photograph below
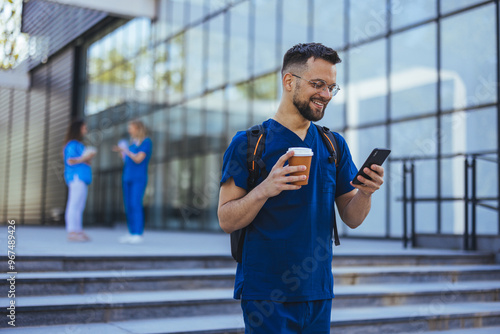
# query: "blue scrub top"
x,y
138,172
287,254
74,149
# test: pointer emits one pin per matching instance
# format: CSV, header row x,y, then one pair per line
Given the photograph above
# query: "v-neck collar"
x,y
294,138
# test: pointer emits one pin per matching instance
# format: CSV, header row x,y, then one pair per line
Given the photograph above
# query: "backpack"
x,y
256,138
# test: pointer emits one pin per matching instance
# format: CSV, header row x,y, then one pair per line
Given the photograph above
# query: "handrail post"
x,y
466,202
405,213
413,204
474,204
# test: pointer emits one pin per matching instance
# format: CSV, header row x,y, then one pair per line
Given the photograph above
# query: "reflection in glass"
x,y
448,6
367,89
367,18
238,43
265,103
469,59
295,24
460,131
405,13
238,100
414,138
216,52
264,56
215,120
414,74
176,75
194,84
328,23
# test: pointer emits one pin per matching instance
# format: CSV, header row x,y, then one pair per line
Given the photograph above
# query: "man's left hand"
x,y
368,187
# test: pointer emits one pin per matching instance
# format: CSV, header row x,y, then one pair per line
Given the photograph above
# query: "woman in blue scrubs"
x,y
135,179
77,175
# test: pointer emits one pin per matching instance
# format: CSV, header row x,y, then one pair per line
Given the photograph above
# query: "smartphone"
x,y
377,157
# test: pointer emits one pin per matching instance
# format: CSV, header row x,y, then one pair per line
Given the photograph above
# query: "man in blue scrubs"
x,y
285,280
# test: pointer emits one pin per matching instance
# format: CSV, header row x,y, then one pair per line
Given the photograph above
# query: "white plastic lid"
x,y
301,151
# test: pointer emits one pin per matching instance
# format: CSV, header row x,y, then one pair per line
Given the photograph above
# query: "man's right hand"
x,y
277,180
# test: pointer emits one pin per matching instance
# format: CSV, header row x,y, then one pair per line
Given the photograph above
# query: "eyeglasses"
x,y
322,85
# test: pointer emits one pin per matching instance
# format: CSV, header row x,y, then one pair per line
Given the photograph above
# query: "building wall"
x,y
418,77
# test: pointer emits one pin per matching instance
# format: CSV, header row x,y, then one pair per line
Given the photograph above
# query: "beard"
x,y
305,110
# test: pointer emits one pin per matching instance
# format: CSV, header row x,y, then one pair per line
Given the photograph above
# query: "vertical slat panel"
x,y
17,146
34,175
60,110
4,132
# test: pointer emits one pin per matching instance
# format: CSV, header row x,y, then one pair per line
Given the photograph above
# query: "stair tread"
x,y
179,296
486,330
231,271
235,321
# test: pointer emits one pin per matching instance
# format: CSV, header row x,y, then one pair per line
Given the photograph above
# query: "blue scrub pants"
x,y
264,317
133,193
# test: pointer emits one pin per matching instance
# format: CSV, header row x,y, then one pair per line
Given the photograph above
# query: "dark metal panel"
x,y
34,146
14,198
4,132
60,101
54,25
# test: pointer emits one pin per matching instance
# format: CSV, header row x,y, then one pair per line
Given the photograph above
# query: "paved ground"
x,y
50,240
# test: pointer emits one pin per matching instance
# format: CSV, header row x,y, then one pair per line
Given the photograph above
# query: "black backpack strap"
x,y
256,141
331,144
333,149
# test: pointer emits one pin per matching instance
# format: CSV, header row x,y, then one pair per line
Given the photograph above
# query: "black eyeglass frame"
x,y
333,88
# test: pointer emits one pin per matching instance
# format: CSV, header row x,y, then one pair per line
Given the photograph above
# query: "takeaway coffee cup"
x,y
302,156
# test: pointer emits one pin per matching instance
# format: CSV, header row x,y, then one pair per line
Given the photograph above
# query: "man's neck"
x,y
290,117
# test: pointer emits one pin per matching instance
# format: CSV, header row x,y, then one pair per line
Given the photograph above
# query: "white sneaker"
x,y
135,239
125,239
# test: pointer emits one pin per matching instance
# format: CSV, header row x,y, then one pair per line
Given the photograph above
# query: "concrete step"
x,y
85,282
415,274
452,318
92,263
81,282
105,307
485,330
26,263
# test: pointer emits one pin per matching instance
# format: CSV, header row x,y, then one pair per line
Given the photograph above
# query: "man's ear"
x,y
288,82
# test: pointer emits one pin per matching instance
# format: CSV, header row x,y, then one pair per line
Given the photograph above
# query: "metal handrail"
x,y
470,198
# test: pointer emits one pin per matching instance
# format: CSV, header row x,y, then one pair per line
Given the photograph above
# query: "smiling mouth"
x,y
319,104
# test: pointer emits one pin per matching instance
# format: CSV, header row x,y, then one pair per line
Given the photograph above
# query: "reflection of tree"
x,y
123,74
263,88
169,67
12,41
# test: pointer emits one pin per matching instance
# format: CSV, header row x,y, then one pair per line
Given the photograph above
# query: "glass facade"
x,y
419,77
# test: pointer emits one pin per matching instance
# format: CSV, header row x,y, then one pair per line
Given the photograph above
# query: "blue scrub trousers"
x,y
133,194
265,317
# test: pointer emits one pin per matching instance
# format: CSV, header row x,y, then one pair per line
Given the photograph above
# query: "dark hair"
x,y
74,131
300,53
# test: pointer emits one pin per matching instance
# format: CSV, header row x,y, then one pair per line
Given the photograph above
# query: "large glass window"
x,y
295,24
238,43
211,68
448,6
367,89
469,59
367,18
216,52
414,72
328,25
414,138
405,13
195,56
265,103
264,55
